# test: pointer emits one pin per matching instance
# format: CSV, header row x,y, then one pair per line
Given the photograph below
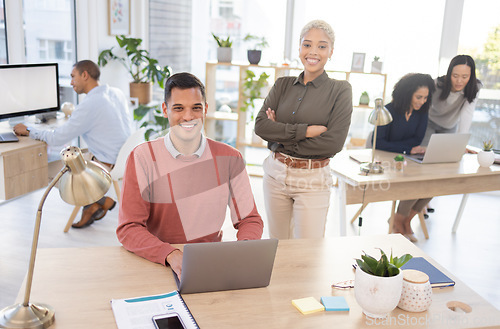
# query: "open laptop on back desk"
x,y
217,266
443,148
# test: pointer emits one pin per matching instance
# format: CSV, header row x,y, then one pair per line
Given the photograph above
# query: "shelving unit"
x,y
225,81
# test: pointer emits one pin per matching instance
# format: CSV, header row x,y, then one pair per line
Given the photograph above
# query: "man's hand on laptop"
x,y
418,150
174,259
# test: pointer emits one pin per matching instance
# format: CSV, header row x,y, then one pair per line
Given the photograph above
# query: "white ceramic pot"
x,y
224,54
485,158
377,295
417,291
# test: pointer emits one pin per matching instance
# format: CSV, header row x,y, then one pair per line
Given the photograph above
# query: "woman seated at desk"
x,y
411,99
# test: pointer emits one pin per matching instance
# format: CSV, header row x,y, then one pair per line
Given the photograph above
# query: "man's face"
x,y
186,112
77,81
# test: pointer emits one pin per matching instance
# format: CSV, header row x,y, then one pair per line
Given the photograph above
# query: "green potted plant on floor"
x,y
378,283
254,54
224,51
144,70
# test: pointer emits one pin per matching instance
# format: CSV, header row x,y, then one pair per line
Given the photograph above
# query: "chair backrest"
x,y
135,139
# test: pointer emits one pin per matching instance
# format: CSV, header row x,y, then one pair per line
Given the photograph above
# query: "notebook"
x,y
231,265
443,148
437,278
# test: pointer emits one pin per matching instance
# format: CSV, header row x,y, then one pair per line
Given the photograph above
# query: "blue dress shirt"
x,y
102,119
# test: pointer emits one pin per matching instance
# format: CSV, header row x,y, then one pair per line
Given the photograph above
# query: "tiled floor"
x,y
472,254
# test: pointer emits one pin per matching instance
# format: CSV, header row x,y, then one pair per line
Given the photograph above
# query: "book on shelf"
x,y
138,313
437,278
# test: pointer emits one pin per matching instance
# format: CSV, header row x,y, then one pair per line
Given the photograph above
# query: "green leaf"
x,y
398,262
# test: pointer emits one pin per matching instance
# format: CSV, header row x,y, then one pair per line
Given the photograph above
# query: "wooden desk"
x,y
79,283
23,167
417,181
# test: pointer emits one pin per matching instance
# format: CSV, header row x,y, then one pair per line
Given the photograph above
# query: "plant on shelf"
x,y
364,99
224,51
376,65
156,123
378,283
144,70
252,89
254,54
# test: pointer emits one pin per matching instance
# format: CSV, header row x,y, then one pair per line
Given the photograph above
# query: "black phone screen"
x,y
168,322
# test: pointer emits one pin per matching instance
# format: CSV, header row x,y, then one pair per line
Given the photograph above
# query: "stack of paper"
x,y
308,305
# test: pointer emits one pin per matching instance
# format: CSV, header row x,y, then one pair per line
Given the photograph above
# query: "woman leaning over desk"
x,y
455,99
411,99
305,121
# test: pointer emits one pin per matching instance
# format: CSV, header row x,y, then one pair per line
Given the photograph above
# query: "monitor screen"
x,y
27,89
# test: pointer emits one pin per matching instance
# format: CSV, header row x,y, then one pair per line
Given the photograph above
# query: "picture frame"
x,y
119,17
358,62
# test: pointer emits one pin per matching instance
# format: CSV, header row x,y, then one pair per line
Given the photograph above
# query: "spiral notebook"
x,y
138,313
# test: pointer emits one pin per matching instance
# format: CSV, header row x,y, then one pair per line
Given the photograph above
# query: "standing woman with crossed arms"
x,y
305,121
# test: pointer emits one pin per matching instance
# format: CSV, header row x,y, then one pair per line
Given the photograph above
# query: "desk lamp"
x,y
80,183
380,116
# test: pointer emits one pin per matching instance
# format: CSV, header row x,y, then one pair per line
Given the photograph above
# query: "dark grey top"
x,y
323,101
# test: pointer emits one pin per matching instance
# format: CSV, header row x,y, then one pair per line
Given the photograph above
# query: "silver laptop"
x,y
443,148
231,265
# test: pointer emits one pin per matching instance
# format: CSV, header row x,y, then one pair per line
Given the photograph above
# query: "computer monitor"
x,y
27,89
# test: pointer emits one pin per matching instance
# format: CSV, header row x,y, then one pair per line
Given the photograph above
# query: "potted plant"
x,y
152,118
144,70
364,99
224,52
376,65
253,88
378,283
254,54
486,156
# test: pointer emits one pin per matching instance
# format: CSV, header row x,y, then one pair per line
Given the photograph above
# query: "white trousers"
x,y
296,200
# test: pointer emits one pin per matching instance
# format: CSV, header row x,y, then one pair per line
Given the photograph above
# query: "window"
x,y
50,37
3,38
480,38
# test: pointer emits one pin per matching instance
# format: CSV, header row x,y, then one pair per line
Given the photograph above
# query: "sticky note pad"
x,y
308,305
335,303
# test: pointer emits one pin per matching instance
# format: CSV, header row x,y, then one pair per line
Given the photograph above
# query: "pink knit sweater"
x,y
166,200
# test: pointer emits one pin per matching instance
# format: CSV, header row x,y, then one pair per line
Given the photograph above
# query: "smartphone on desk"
x,y
168,321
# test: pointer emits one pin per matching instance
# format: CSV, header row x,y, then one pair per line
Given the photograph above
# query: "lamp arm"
x,y
374,143
36,233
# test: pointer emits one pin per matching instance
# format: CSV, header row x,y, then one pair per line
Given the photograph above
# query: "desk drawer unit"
x,y
23,171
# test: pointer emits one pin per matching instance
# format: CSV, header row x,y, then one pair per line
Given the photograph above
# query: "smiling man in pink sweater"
x,y
176,189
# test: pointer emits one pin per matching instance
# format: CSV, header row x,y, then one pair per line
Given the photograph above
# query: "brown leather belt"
x,y
292,162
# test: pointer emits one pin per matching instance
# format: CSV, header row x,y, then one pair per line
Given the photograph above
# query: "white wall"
x,y
93,36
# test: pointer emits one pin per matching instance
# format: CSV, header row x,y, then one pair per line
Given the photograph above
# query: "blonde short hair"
x,y
318,24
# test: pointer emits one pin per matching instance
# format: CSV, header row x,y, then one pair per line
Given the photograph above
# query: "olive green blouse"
x,y
323,101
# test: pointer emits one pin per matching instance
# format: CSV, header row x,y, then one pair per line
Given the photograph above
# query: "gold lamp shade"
x,y
380,116
85,182
81,183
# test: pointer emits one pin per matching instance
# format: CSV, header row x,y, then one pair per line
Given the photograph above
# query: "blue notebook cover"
x,y
334,303
437,278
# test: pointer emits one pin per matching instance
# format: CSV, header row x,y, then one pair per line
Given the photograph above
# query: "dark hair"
x,y
471,89
405,88
183,80
89,66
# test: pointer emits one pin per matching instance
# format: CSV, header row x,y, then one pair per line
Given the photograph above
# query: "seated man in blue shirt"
x,y
102,119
